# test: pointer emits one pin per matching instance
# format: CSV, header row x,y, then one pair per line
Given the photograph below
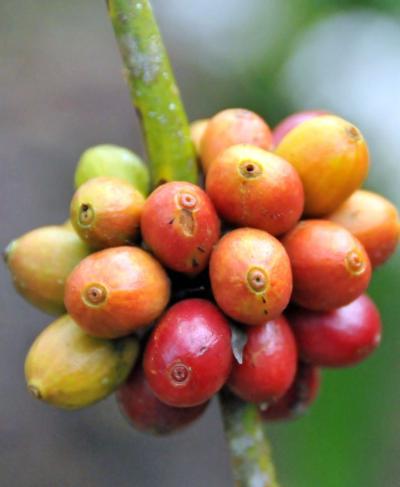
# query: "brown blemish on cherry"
x,y
180,374
95,294
354,262
86,215
250,169
353,133
186,221
256,279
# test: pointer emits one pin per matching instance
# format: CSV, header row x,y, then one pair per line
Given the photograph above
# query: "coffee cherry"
x,y
254,188
189,356
330,266
340,337
105,212
180,226
113,292
373,220
269,363
147,413
250,276
290,122
331,157
113,161
231,127
301,394
197,129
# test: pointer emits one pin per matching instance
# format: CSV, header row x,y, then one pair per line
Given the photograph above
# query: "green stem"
x,y
154,92
166,131
250,451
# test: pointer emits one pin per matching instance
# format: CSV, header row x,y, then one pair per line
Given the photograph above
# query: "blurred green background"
x,y
62,91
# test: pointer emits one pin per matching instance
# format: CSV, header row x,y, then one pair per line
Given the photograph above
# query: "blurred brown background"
x,y
61,90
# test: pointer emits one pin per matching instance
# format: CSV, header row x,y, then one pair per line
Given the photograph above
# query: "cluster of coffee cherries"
x,y
252,281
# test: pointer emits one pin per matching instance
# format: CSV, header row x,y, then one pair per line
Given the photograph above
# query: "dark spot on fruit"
x,y
263,299
86,215
353,133
186,221
355,263
265,312
95,294
200,249
180,373
250,169
187,201
195,263
256,279
171,221
34,391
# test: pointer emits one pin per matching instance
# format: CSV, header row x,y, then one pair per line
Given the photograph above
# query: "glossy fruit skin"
x,y
197,129
69,369
331,157
231,127
337,338
105,212
254,188
113,161
292,121
301,394
189,355
269,363
250,276
40,262
330,266
115,291
147,413
180,225
373,220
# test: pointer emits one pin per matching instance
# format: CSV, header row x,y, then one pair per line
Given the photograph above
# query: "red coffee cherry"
x,y
330,266
189,356
113,292
290,122
231,127
269,363
340,337
147,413
301,394
180,225
250,276
254,188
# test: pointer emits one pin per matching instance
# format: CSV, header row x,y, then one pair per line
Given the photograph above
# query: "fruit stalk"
x,y
171,157
250,451
154,92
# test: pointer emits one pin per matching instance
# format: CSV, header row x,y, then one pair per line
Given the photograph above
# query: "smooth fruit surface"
x,y
69,369
113,161
105,212
330,266
115,291
373,220
331,157
269,363
292,121
181,226
301,394
230,127
197,129
340,337
254,188
250,276
189,356
147,413
40,262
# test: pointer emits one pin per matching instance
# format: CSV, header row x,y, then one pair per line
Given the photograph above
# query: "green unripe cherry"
x,y
69,369
40,262
113,161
